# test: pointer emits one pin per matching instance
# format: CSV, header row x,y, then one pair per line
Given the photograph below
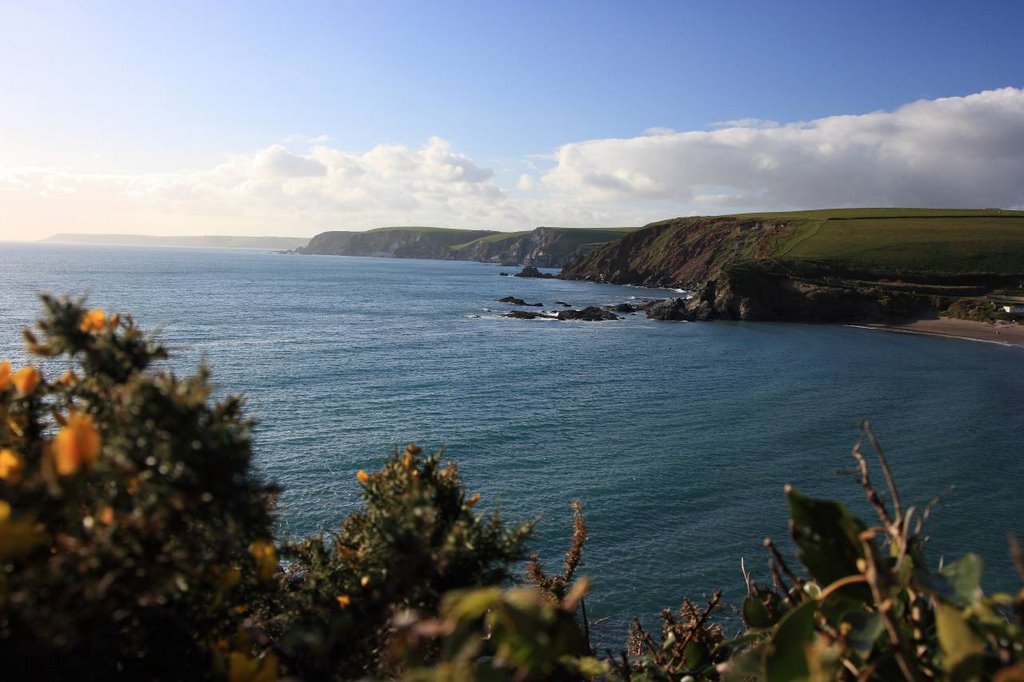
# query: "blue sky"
x,y
101,92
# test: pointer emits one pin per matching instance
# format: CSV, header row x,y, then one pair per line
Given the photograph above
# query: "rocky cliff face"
x,y
545,247
728,262
683,252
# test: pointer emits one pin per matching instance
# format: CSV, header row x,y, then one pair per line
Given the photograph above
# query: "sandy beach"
x,y
1002,332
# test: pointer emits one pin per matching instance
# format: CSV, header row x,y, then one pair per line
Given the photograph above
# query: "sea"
x,y
678,438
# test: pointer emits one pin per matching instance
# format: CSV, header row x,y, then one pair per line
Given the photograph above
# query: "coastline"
x,y
1001,333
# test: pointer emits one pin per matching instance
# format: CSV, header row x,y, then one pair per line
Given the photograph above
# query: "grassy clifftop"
x,y
683,251
783,258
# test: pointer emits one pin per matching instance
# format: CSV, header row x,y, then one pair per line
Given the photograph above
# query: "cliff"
x,y
822,266
548,247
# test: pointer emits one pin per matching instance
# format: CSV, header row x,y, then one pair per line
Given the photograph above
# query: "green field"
x,y
907,240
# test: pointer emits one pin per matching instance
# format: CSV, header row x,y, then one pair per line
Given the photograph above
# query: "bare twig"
x,y
874,499
770,544
889,481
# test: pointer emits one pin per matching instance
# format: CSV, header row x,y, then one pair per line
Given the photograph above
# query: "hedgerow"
x,y
136,542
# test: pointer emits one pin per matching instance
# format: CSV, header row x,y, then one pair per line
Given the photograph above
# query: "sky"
x,y
288,119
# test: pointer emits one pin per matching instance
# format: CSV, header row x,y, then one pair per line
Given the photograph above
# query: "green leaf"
x,y
964,576
786,659
962,649
827,539
755,615
694,655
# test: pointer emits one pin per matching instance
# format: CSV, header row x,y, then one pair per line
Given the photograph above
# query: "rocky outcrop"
x,y
513,300
589,314
671,309
530,271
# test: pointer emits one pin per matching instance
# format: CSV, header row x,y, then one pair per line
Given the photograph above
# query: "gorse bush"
x,y
127,508
136,542
417,538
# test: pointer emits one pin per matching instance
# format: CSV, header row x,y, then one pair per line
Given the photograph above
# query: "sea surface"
x,y
677,437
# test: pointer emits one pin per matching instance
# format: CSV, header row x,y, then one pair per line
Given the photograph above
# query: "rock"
x,y
563,303
531,271
503,274
624,308
518,301
524,315
671,309
588,314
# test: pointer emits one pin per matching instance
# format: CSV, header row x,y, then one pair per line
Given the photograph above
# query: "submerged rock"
x,y
525,315
588,314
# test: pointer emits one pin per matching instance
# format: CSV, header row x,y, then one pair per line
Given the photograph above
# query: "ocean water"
x,y
677,437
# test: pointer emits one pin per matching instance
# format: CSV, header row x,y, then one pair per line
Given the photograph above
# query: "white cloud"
x,y
958,151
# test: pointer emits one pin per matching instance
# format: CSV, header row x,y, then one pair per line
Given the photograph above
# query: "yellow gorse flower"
x,y
26,379
266,559
11,466
106,515
5,510
363,476
77,444
5,375
93,321
344,600
473,500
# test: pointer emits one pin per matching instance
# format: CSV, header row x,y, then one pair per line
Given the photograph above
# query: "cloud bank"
x,y
957,151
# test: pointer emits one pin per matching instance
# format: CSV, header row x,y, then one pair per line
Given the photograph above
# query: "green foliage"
x,y
127,506
417,538
979,310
